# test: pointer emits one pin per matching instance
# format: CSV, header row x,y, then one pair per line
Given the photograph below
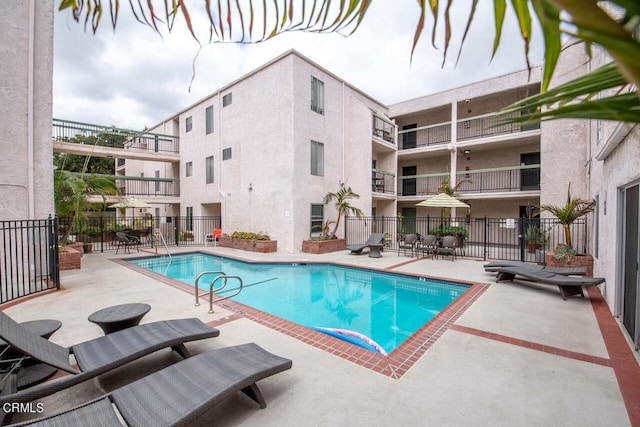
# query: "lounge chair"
x,y
180,394
127,240
93,357
448,246
213,237
568,286
374,239
408,243
566,271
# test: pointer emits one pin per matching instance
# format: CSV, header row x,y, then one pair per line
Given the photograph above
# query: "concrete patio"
x,y
518,355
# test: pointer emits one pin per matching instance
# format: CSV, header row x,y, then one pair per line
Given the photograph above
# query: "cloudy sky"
x,y
134,77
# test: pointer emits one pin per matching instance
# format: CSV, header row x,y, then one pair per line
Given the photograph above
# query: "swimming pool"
x,y
386,307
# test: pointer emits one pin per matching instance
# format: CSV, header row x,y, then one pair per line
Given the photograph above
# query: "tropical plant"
x,y
340,200
568,213
70,196
248,235
589,21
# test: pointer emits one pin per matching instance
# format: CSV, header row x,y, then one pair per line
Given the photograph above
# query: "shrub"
x,y
450,230
246,235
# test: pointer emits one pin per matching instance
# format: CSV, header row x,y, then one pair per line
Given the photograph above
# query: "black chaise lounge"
x,y
180,394
374,239
566,271
93,357
567,285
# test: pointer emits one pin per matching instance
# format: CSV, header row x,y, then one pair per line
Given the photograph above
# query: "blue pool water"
x,y
386,307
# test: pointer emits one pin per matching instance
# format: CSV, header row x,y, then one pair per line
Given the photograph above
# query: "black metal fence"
x,y
28,258
100,231
522,239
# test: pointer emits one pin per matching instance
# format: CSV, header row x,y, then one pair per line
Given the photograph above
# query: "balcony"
x,y
154,187
507,179
384,130
102,136
472,128
382,182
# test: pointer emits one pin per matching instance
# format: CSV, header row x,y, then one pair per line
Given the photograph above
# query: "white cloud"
x,y
135,78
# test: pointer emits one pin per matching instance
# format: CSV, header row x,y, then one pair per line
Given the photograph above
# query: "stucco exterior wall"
x,y
26,75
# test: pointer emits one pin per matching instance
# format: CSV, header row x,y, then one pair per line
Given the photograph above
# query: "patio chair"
x,y
93,357
568,286
181,394
448,247
567,271
374,239
213,237
408,243
127,241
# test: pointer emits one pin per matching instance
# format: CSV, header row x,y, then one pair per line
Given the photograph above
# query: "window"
x,y
317,219
188,169
227,99
157,174
317,158
209,119
226,153
188,124
209,167
317,95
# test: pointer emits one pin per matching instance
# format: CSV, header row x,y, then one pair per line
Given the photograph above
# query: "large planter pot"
x,y
262,246
581,260
323,246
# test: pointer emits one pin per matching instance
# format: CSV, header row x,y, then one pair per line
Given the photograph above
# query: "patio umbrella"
x,y
443,200
131,202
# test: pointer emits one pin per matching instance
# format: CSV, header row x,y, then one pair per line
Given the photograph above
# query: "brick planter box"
x,y
584,260
70,258
262,246
323,246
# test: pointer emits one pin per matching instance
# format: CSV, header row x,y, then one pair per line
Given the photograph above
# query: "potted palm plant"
x,y
567,214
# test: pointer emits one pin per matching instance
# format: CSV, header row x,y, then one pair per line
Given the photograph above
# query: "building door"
x,y
409,139
409,184
630,259
529,178
408,225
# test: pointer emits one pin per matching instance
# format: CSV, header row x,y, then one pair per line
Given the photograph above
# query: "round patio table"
x,y
32,372
118,317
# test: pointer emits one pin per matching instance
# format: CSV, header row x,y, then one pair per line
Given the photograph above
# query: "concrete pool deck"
x,y
517,355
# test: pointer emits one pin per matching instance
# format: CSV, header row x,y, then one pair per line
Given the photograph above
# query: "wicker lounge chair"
x,y
427,245
448,247
93,357
566,271
568,286
180,394
408,244
126,240
374,239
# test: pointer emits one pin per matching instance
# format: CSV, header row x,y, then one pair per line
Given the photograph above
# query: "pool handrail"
x,y
221,275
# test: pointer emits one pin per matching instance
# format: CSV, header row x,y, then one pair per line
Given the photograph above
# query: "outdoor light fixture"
x,y
250,186
467,152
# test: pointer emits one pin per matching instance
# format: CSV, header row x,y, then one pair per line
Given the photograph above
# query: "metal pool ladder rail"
x,y
220,276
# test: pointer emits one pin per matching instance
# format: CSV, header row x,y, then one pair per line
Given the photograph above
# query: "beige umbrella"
x,y
131,202
443,200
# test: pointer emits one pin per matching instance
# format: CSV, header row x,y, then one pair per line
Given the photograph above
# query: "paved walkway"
x,y
516,355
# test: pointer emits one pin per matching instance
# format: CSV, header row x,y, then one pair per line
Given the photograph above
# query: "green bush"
x,y
246,235
450,230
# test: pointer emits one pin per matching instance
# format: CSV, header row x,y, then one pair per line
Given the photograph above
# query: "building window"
x,y
157,175
227,99
188,124
209,119
317,219
226,153
189,222
317,95
317,158
209,167
188,169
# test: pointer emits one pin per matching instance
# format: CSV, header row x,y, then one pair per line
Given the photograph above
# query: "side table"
x,y
374,251
118,317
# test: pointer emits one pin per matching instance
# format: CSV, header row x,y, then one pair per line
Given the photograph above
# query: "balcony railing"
x,y
383,129
516,178
382,182
474,127
159,187
103,136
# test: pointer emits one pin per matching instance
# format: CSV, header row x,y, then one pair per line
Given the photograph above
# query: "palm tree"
x,y
569,212
342,205
70,195
447,189
589,21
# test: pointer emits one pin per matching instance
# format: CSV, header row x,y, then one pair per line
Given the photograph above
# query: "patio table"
x,y
374,251
118,317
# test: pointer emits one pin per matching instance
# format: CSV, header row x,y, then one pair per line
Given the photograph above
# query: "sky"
x,y
135,78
